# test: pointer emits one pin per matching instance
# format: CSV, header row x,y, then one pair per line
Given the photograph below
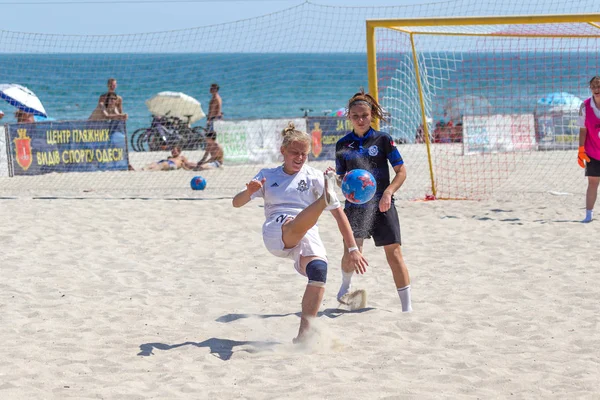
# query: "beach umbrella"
x,y
340,112
22,98
560,101
456,107
175,104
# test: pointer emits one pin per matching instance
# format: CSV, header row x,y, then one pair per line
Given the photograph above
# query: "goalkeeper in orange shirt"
x,y
588,156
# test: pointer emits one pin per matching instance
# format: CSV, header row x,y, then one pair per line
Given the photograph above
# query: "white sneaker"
x,y
330,196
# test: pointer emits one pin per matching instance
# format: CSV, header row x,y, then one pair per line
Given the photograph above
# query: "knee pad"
x,y
316,271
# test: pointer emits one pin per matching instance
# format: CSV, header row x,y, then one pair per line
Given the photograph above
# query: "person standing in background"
x,y
588,155
215,107
112,86
108,110
23,117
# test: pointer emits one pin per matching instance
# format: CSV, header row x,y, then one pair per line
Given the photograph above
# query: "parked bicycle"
x,y
166,132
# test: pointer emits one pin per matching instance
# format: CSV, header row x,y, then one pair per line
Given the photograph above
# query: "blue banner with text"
x,y
67,146
325,132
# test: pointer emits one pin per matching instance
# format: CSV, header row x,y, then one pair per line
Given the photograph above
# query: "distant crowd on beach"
x,y
22,117
110,108
110,105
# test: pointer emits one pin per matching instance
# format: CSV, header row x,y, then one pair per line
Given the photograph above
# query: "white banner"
x,y
3,153
253,141
498,133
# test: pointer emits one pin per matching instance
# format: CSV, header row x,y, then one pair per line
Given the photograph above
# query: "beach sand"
x,y
118,298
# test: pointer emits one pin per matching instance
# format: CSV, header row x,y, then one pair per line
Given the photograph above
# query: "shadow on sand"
x,y
221,348
224,348
329,313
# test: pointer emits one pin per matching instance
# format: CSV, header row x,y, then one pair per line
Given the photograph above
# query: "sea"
x,y
289,85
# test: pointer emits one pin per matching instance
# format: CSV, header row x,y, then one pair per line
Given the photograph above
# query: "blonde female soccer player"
x,y
295,195
588,156
366,148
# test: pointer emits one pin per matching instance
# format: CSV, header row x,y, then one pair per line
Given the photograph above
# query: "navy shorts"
x,y
368,221
592,168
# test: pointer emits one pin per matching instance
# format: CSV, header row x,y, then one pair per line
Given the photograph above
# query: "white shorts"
x,y
310,245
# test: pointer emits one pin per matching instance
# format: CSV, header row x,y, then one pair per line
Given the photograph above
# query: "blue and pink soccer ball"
x,y
198,183
359,186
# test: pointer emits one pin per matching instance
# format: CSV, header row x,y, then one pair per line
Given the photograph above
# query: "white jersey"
x,y
290,194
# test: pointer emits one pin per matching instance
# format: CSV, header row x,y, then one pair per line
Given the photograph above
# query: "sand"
x,y
117,298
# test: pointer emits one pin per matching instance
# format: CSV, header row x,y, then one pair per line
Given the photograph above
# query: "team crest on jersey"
x,y
302,186
373,150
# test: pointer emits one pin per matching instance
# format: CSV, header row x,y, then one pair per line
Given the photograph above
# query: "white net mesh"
x,y
502,111
271,70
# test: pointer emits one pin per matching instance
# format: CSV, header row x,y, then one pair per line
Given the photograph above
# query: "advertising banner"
x,y
557,131
498,133
325,132
253,141
67,146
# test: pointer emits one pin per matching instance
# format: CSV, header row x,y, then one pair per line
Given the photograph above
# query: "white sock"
x,y
346,283
404,294
589,216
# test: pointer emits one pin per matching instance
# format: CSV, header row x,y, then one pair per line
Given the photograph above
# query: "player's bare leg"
x,y
590,197
311,301
393,254
294,230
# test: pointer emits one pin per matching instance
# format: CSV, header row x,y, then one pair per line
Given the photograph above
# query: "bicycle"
x,y
191,138
166,132
148,139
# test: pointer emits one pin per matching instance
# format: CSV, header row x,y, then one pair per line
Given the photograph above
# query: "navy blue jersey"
x,y
372,152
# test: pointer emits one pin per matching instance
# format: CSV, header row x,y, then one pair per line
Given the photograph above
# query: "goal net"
x,y
486,105
301,64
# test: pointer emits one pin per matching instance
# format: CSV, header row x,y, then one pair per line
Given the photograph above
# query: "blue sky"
x,y
95,17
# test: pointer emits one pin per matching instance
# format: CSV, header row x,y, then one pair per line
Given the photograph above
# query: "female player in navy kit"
x,y
295,195
366,148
